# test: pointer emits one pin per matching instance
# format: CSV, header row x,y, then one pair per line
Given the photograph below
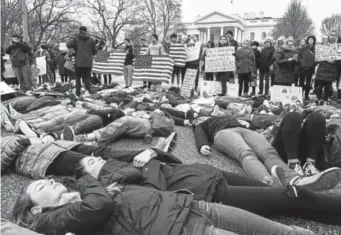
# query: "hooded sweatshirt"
x,y
85,48
306,55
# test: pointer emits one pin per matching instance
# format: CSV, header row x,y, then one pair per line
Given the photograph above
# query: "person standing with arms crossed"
x,y
85,48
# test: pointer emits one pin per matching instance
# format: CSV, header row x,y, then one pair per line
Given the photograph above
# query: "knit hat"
x,y
255,43
269,40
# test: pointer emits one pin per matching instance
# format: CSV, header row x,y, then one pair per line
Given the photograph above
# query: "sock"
x,y
311,160
292,161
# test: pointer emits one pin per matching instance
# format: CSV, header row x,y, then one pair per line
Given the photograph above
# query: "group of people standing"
x,y
281,63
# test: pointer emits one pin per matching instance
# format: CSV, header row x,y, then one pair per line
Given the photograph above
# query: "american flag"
x,y
109,62
138,50
178,52
153,68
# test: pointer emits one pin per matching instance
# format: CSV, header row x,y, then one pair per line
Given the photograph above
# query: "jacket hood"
x,y
281,38
269,40
83,36
313,37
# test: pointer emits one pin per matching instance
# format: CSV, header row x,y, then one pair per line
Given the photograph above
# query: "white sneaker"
x,y
12,111
310,169
171,142
27,130
323,181
5,120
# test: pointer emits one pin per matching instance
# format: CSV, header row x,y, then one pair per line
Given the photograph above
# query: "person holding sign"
x,y
326,73
223,77
176,69
43,52
286,58
208,76
20,57
246,67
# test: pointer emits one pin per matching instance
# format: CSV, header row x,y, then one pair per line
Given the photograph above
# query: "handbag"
x,y
69,65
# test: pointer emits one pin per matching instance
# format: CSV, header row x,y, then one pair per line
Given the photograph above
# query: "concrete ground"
x,y
11,183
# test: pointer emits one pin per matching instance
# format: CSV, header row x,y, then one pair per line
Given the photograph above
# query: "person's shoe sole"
x,y
278,175
325,180
171,142
68,133
26,129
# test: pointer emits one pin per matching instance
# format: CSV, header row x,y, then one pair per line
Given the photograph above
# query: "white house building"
x,y
216,24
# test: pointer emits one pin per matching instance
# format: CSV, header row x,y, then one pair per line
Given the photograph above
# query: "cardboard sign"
x,y
232,90
41,65
220,59
189,82
286,94
62,46
5,89
328,52
211,88
193,52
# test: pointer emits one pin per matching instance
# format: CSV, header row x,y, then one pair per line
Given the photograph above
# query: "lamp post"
x,y
25,20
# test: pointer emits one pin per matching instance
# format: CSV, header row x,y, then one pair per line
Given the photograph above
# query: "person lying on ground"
x,y
265,201
49,208
141,125
257,156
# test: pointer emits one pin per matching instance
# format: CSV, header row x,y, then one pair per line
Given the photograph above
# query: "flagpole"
x,y
25,20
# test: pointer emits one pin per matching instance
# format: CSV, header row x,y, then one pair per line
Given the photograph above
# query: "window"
x,y
263,35
252,36
265,20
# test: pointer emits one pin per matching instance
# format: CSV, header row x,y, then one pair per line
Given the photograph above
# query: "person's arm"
x,y
254,62
201,137
162,50
279,58
9,50
71,44
126,175
80,217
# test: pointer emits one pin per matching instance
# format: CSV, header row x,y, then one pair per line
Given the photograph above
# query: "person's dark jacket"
x,y
327,71
206,131
129,56
2,60
233,43
134,210
306,55
85,48
257,54
245,61
19,54
266,59
285,72
10,150
61,62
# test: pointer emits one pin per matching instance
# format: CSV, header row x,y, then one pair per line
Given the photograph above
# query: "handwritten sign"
x,y
286,94
232,90
220,59
189,82
210,88
193,52
41,65
328,52
5,89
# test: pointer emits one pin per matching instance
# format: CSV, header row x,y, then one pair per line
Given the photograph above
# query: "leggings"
x,y
294,141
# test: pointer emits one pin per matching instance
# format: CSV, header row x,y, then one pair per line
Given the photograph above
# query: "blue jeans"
x,y
8,228
227,220
252,150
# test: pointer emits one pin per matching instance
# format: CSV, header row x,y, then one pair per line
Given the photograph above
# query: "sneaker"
x,y
278,176
310,169
323,181
170,142
68,133
296,168
27,130
5,120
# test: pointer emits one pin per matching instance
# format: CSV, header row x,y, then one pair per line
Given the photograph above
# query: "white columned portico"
x,y
221,31
235,32
208,34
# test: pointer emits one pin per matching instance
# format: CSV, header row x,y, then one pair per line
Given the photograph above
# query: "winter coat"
x,y
34,160
10,150
327,71
285,72
266,59
257,57
61,62
85,48
306,57
19,54
134,210
245,61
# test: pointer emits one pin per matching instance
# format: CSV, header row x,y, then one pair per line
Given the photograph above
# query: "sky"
x,y
317,9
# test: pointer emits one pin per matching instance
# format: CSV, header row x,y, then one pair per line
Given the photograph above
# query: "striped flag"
x,y
138,50
178,52
109,62
153,68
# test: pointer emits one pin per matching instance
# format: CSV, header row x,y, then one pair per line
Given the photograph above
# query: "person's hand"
x,y
244,123
112,187
205,150
187,123
290,59
143,158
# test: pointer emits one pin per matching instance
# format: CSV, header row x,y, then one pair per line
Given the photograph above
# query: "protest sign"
x,y
41,64
220,59
188,83
328,52
210,88
193,51
62,46
5,89
232,89
286,94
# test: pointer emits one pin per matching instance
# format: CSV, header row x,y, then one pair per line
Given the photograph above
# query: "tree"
x,y
10,18
161,16
331,23
111,18
295,22
136,33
